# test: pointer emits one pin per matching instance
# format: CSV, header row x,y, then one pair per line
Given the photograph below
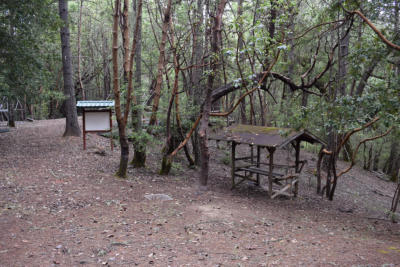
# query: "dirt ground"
x,y
62,206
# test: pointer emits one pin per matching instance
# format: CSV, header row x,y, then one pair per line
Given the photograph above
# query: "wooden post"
x,y
297,148
111,136
84,129
271,151
296,185
233,163
319,162
258,163
296,188
252,154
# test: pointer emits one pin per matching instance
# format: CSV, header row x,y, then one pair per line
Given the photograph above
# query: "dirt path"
x,y
62,206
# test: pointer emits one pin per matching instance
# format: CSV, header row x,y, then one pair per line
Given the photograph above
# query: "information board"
x,y
97,121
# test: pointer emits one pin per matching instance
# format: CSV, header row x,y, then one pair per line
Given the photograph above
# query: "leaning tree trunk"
x,y
71,126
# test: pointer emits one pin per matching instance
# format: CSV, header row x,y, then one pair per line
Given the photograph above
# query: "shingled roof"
x,y
265,136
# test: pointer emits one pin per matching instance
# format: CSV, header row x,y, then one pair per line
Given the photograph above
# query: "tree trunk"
x,y
197,73
168,147
395,201
71,126
11,117
79,50
125,38
122,119
343,51
106,69
123,164
392,166
139,147
369,162
160,65
377,156
203,129
239,60
347,151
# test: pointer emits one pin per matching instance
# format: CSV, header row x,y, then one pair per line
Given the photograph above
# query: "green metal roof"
x,y
95,104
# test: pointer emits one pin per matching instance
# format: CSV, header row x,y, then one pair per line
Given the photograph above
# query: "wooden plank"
x,y
242,167
287,177
282,191
244,158
244,177
258,171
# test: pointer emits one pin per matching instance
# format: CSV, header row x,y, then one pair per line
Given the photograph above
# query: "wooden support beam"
x,y
111,135
233,151
271,151
282,191
297,148
258,163
83,130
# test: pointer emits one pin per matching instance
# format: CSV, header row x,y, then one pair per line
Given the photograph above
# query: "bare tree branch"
x,y
373,27
353,158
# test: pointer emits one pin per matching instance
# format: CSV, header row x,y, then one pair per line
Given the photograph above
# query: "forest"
x,y
181,70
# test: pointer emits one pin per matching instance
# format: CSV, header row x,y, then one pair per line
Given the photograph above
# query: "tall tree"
x,y
79,50
139,145
161,63
71,126
216,40
122,115
197,73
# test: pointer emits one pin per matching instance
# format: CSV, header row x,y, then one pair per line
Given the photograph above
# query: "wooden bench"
x,y
291,180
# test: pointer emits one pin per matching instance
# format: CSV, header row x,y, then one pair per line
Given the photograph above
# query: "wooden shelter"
x,y
270,138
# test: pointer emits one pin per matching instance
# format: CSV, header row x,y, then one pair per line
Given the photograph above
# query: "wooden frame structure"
x,y
103,108
271,139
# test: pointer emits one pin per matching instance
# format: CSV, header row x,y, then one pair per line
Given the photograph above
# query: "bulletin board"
x,y
97,121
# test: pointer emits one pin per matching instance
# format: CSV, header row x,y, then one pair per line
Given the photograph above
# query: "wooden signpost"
x,y
97,118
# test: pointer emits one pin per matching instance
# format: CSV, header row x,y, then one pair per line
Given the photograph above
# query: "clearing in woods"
x,y
62,206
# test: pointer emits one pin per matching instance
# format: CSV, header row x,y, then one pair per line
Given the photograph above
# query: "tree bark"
x,y
240,43
125,38
123,163
395,201
139,148
106,68
160,65
393,163
197,73
203,129
122,118
71,125
79,51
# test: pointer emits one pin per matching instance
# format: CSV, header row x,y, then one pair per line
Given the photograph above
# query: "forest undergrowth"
x,y
62,206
